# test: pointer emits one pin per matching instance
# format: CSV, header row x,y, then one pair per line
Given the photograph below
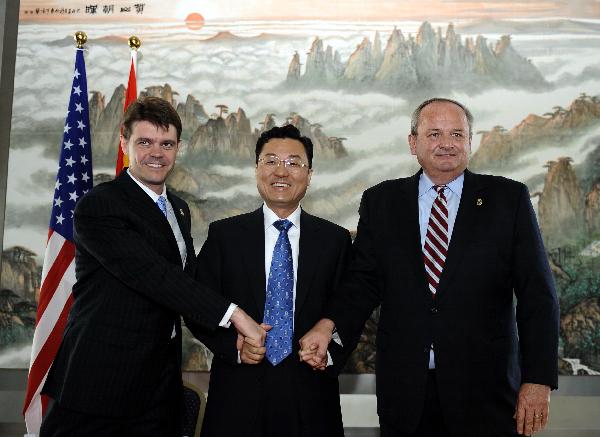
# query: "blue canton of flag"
x,y
74,177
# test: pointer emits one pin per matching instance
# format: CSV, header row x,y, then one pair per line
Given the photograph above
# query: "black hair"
x,y
287,131
155,110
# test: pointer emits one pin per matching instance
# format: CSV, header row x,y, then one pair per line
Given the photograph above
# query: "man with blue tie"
x,y
443,252
280,264
118,369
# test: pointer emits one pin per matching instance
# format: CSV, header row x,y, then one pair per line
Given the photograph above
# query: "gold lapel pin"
x,y
479,201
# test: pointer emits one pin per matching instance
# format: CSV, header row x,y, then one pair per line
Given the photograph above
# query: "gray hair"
x,y
414,120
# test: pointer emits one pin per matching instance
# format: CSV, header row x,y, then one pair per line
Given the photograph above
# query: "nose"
x,y
447,141
281,170
156,150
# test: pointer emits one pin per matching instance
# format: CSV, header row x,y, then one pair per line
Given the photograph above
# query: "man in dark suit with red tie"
x,y
118,369
443,252
281,264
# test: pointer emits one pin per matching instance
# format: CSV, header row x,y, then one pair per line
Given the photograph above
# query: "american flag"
x,y
73,180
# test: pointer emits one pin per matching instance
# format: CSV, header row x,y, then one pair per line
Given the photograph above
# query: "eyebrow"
x,y
150,140
290,156
454,129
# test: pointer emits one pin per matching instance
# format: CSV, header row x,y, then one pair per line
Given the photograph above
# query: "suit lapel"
x,y
253,248
184,222
410,201
463,229
308,258
143,205
402,229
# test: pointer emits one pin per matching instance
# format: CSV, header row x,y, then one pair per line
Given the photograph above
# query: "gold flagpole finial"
x,y
80,39
134,42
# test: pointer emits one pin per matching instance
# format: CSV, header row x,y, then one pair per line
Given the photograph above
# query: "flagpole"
x,y
134,44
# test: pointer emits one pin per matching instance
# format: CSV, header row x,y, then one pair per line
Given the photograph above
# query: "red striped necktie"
x,y
436,239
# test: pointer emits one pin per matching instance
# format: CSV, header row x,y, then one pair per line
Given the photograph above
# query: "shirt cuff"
x,y
329,360
225,321
336,337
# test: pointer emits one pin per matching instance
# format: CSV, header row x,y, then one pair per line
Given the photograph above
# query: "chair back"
x,y
194,404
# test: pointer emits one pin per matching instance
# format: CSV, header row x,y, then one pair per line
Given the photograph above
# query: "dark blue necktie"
x,y
279,300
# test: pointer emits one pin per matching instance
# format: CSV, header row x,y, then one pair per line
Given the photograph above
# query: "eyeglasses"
x,y
273,161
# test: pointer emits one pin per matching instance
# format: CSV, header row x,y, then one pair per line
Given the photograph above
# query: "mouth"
x,y
280,184
154,165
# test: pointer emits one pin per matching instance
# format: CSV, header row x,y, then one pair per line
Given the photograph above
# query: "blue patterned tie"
x,y
162,204
279,301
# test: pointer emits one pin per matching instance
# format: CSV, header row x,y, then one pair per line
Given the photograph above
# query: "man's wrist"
x,y
328,325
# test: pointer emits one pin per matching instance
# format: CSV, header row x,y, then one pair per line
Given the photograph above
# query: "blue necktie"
x,y
279,300
162,204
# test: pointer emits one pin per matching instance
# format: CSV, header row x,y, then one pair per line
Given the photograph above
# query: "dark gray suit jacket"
x,y
232,261
130,291
496,249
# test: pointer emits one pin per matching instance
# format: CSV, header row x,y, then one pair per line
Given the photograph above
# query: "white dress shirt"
x,y
427,196
271,236
170,217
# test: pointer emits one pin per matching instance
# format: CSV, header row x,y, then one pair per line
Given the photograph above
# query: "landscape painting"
x,y
348,75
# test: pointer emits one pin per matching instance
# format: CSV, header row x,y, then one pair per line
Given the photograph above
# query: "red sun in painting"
x,y
194,21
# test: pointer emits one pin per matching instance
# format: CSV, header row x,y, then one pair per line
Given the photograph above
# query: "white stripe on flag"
x,y
50,316
55,243
33,415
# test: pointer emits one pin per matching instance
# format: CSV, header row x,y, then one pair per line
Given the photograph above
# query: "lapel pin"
x,y
181,212
479,201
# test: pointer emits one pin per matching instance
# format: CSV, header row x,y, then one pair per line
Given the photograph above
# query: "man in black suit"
x,y
117,371
279,395
442,252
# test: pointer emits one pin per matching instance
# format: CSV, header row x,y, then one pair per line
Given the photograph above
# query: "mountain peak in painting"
x,y
423,64
228,134
500,147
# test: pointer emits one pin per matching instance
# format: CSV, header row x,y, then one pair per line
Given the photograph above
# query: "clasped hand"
x,y
314,344
251,337
251,350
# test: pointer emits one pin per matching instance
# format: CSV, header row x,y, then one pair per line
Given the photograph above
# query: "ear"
x,y
310,172
124,143
412,142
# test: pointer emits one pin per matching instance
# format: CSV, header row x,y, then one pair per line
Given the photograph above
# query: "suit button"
x,y
434,310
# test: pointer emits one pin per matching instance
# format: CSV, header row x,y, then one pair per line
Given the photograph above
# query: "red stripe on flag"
x,y
130,97
45,357
55,274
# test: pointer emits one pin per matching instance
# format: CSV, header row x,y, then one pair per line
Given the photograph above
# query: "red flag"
x,y
73,180
130,96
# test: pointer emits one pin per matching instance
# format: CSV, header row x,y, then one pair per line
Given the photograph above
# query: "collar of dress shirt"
x,y
455,185
147,190
271,217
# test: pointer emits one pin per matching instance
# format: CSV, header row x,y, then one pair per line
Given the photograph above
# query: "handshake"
x,y
251,340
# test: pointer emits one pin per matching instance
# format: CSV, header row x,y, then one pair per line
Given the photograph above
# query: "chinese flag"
x,y
130,96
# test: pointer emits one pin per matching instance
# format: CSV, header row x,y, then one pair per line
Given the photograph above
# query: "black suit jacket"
x,y
130,291
496,248
232,261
